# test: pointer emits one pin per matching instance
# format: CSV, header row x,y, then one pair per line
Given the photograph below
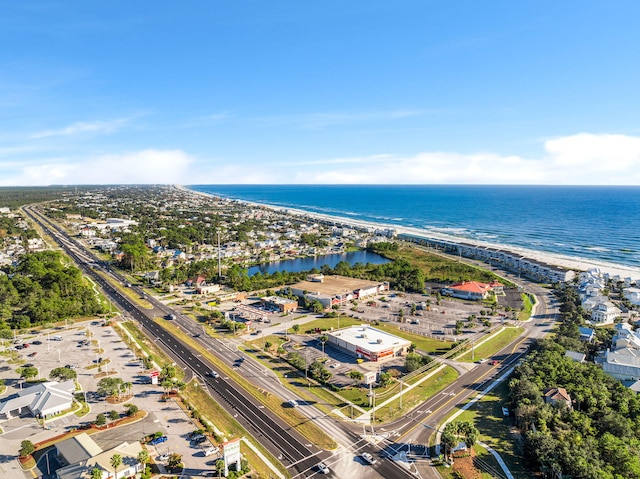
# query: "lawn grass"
x,y
131,294
495,430
492,345
417,395
147,346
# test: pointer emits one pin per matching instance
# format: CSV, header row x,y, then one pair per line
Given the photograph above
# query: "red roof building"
x,y
473,290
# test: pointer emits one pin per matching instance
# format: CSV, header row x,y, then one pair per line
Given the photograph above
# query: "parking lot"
x,y
72,350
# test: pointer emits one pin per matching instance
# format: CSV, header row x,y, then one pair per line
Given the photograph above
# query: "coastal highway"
x,y
278,437
416,428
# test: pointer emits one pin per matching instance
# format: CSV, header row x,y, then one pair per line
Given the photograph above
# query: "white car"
x,y
163,457
292,403
368,458
322,467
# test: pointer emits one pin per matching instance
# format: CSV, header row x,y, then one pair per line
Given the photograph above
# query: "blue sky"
x,y
326,91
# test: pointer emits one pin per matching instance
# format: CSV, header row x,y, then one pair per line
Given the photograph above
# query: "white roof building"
x,y
622,361
42,399
368,343
604,313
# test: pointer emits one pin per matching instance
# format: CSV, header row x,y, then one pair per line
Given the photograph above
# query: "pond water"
x,y
305,264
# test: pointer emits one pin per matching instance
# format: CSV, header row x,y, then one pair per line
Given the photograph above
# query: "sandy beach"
x,y
569,262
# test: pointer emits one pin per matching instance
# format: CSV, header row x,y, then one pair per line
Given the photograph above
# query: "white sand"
x,y
569,262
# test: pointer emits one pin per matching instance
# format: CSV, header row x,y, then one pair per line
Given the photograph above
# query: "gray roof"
x,y
78,448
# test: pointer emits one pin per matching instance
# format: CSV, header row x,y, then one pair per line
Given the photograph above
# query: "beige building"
x,y
331,290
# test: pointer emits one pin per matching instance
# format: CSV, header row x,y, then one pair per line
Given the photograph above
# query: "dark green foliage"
x,y
26,448
415,361
43,289
62,374
599,437
14,197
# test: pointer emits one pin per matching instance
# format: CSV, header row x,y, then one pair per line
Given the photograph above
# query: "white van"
x,y
57,338
210,451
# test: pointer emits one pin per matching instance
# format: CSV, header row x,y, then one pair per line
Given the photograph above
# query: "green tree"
x,y
29,373
384,379
357,376
96,473
220,467
296,328
113,415
109,386
132,409
63,374
143,456
175,460
116,462
101,420
26,448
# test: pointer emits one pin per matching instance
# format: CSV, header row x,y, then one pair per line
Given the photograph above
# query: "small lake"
x,y
305,264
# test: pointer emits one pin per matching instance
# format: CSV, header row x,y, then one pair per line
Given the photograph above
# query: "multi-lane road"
x,y
278,437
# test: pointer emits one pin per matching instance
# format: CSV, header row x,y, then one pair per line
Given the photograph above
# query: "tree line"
x,y
598,436
42,288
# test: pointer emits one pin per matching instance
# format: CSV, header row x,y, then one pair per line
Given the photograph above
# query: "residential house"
x,y
587,334
622,360
604,313
557,397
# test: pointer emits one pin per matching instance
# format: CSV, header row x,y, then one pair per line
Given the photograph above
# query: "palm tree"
x,y
323,339
116,462
143,457
128,387
96,473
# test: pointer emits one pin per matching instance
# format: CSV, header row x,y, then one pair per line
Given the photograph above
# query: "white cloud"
x,y
82,127
581,159
146,166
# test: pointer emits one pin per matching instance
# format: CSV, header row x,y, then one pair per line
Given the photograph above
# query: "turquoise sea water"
x,y
595,222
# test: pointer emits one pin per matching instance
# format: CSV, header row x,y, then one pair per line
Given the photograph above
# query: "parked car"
x,y
163,457
322,467
158,440
210,451
33,354
36,342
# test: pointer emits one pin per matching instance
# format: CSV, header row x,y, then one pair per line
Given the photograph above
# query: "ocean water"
x,y
594,222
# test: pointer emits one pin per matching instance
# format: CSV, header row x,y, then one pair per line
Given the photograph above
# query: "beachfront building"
x,y
509,259
473,290
622,360
368,343
332,290
604,313
42,400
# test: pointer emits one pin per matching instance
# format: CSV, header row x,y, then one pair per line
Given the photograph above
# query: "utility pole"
x,y
219,259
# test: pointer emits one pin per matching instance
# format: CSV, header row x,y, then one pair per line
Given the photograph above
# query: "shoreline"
x,y
569,262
